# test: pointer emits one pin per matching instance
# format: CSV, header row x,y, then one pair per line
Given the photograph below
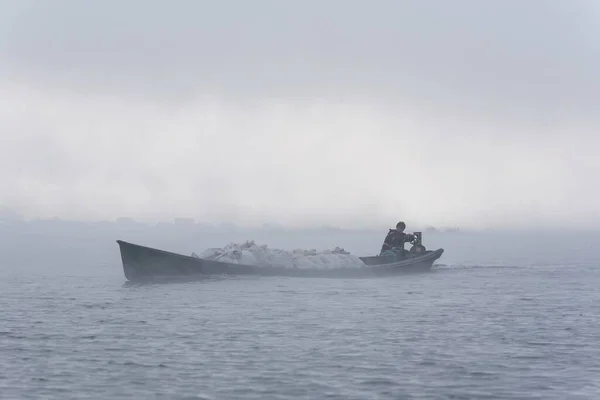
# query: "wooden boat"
x,y
141,263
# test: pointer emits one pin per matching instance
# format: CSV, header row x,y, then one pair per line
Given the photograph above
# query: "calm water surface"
x,y
454,333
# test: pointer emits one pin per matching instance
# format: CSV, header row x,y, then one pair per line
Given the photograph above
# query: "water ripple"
x,y
455,333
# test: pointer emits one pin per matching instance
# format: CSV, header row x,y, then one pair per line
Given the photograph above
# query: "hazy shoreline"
x,y
50,246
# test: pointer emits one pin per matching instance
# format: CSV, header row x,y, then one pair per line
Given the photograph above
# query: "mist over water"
x,y
296,163
187,125
64,247
517,307
470,114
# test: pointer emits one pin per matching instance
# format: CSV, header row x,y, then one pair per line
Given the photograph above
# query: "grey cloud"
x,y
493,55
462,112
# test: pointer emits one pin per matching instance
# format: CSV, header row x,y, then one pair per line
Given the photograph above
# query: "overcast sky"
x,y
349,113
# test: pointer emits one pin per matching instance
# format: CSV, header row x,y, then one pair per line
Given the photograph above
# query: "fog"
x,y
481,115
48,247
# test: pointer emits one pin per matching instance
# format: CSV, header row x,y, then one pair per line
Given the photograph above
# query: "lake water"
x,y
465,331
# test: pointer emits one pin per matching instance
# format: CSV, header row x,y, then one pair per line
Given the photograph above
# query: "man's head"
x,y
400,226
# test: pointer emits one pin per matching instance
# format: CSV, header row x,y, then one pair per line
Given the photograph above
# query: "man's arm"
x,y
388,241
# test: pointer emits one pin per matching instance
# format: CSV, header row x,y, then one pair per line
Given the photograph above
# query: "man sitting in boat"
x,y
396,238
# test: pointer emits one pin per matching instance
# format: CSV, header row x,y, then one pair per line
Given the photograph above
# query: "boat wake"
x,y
249,253
474,266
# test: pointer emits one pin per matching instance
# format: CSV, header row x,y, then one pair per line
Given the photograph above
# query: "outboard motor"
x,y
417,246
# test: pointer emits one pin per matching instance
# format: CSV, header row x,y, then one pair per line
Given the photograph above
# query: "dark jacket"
x,y
396,239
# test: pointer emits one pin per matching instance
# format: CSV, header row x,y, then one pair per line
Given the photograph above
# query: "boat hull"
x,y
141,263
